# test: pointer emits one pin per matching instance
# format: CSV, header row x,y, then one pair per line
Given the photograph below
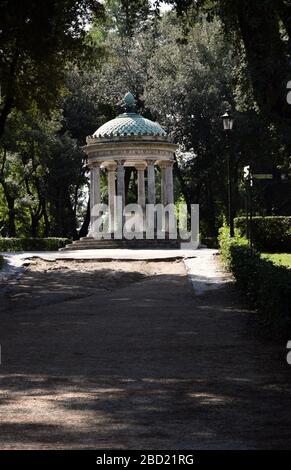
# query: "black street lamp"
x,y
227,121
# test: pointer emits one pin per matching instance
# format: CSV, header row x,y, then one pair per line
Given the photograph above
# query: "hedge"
x,y
267,286
32,244
269,234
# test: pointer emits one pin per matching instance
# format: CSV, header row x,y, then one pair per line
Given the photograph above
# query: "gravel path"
x,y
136,359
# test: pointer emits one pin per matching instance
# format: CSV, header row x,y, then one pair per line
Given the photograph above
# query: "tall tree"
x,y
37,37
264,30
194,78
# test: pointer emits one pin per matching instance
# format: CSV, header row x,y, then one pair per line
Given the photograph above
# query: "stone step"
x,y
125,242
119,245
91,244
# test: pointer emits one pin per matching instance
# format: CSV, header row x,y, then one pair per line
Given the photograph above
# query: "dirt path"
x,y
135,359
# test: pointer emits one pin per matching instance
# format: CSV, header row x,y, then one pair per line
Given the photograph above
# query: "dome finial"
x,y
128,102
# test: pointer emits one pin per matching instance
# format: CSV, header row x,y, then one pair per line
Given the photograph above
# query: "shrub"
x,y
32,244
270,234
266,285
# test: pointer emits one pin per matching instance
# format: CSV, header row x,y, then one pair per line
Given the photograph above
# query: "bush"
x,y
270,234
32,244
267,286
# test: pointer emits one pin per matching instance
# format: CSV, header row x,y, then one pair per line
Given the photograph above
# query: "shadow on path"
x,y
146,365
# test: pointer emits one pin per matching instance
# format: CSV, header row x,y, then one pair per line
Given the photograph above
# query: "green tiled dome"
x,y
129,124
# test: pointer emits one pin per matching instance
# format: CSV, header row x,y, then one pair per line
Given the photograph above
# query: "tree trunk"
x,y
211,218
4,114
46,221
266,56
11,209
84,229
184,189
9,95
127,177
11,213
34,225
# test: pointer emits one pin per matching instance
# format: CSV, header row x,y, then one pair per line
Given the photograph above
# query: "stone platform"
x,y
89,243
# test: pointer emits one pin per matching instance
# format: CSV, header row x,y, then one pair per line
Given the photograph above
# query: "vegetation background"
x,y
64,65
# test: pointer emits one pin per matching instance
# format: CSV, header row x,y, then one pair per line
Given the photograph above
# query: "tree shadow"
x,y
146,365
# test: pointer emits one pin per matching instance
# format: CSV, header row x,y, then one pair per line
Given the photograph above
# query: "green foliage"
x,y
126,16
41,174
33,244
253,26
267,286
188,89
38,38
183,77
281,259
271,234
193,79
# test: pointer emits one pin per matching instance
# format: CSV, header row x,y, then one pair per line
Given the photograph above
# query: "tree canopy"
x,y
38,38
65,65
262,32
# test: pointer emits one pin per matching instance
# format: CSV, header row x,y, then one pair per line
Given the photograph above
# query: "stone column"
x,y
140,184
151,182
111,194
94,193
170,185
119,216
141,193
163,167
167,193
120,181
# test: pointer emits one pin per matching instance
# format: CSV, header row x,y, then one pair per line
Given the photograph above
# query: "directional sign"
x,y
262,176
246,173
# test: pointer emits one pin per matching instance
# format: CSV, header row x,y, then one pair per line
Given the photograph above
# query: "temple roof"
x,y
129,123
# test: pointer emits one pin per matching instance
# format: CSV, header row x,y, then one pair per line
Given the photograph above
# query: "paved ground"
x,y
116,253
137,360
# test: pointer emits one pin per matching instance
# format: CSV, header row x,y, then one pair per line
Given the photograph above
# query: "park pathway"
x,y
149,364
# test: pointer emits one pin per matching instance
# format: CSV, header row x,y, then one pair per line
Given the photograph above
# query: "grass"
x,y
280,259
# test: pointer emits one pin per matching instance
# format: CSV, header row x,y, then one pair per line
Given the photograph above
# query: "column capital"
x,y
111,166
91,165
140,166
166,163
151,162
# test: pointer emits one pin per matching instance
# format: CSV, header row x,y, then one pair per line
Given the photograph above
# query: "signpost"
x,y
248,177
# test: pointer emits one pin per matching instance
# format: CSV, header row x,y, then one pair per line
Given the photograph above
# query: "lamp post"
x,y
227,121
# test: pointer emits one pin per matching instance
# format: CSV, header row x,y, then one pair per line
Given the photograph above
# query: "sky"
x,y
163,6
